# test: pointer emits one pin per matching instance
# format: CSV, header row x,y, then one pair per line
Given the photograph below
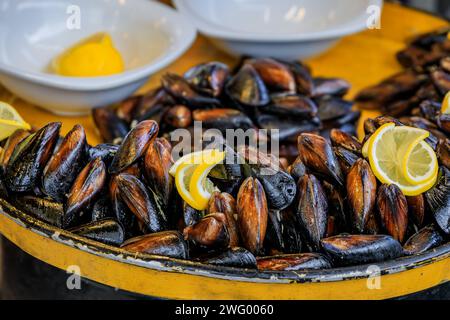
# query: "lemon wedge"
x,y
393,151
420,163
10,121
446,104
191,176
92,57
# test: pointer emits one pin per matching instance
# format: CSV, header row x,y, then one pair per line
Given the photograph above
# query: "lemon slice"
x,y
388,148
10,121
191,176
446,104
420,163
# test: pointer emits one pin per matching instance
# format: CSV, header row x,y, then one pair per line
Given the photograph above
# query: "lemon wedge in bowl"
x,y
191,176
10,121
93,57
399,155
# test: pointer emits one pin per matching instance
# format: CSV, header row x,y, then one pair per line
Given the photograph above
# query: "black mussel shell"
x,y
425,239
65,164
208,78
107,231
247,88
102,209
24,170
293,262
347,250
312,210
105,151
110,126
166,243
234,257
330,108
223,119
438,199
295,105
45,210
330,87
134,145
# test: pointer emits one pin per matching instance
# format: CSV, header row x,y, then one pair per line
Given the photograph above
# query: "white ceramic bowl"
x,y
285,29
149,35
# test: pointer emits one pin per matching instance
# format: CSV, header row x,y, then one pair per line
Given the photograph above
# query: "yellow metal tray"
x,y
363,59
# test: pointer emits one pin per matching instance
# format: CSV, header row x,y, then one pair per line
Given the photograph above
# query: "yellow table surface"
x,y
363,59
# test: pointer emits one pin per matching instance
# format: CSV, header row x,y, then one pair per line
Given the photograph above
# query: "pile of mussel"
x,y
260,93
415,94
326,209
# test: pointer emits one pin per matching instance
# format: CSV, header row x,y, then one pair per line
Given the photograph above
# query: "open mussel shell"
x,y
65,164
252,212
85,190
210,232
293,262
312,210
425,239
234,257
24,170
393,209
318,156
107,231
134,145
347,250
111,128
44,209
361,195
438,200
166,243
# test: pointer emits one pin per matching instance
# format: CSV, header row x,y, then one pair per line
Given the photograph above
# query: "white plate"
x,y
286,29
148,34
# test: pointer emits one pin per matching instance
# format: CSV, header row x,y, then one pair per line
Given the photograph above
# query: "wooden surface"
x,y
363,59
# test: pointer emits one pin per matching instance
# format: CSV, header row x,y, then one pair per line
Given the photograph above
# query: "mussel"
x,y
107,231
318,156
438,199
44,209
252,212
65,164
293,262
110,126
247,88
85,190
25,167
361,194
210,232
347,250
166,243
393,209
142,202
134,145
234,257
208,78
312,210
226,204
425,239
